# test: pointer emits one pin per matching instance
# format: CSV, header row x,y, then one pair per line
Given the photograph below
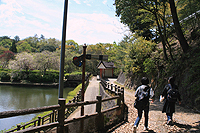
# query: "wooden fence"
x,y
60,113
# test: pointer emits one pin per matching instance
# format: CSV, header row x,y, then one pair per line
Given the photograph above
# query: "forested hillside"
x,y
164,41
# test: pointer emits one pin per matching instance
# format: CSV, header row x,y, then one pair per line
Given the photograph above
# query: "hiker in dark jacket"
x,y
169,105
139,94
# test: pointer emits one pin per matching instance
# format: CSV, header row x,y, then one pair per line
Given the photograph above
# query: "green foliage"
x,y
49,48
149,66
71,44
73,93
49,77
6,42
13,47
25,46
15,76
35,77
140,52
5,77
139,16
69,66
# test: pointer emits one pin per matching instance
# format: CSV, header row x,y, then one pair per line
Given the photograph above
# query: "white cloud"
x,y
105,1
8,11
26,18
94,28
77,1
30,17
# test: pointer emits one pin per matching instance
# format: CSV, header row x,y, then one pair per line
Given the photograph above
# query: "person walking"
x,y
171,94
143,94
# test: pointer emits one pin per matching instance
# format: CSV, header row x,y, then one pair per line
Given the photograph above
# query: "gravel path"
x,y
184,120
90,94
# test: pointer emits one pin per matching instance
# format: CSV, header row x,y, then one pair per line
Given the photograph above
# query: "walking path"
x,y
185,120
90,94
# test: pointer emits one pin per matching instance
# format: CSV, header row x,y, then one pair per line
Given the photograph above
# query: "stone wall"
x,y
131,82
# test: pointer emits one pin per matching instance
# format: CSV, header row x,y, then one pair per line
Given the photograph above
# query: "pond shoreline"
x,y
52,85
67,83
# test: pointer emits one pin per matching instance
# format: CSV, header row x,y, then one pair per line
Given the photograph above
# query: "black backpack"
x,y
172,94
142,99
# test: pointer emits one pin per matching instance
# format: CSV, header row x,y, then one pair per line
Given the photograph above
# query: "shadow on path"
x,y
187,127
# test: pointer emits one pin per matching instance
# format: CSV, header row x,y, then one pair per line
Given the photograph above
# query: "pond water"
x,y
15,98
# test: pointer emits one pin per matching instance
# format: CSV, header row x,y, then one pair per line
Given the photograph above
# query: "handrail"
x,y
7,114
62,107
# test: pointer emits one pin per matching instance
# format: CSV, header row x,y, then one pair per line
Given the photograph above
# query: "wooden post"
x,y
119,99
118,89
61,115
18,127
115,88
53,116
123,105
119,111
78,97
35,123
122,91
74,99
39,120
100,117
42,121
83,79
98,105
111,87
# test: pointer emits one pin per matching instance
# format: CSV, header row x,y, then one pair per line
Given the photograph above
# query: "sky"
x,y
88,21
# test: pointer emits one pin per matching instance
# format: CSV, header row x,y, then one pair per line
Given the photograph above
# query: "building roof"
x,y
106,64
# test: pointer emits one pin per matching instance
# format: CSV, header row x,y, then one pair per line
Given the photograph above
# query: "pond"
x,y
15,98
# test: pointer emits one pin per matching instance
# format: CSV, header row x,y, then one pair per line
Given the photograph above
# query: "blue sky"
x,y
89,21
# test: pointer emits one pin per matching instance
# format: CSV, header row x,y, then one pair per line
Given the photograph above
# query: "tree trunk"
x,y
162,38
181,38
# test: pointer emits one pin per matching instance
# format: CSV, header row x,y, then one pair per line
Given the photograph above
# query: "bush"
x,y
15,76
35,77
48,78
55,77
5,77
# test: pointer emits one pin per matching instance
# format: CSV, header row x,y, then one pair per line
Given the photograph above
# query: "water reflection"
x,y
14,98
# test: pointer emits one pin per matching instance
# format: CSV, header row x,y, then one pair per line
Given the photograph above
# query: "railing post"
x,y
120,110
98,105
124,111
42,120
39,120
111,87
122,91
74,99
53,116
118,89
100,117
119,99
61,115
18,127
115,88
78,97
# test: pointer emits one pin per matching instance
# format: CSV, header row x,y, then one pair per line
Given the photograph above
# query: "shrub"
x,y
48,78
5,77
35,77
15,76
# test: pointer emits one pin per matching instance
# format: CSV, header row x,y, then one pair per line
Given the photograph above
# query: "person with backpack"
x,y
142,94
171,94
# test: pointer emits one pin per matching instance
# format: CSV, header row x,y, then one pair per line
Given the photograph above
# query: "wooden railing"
x,y
58,117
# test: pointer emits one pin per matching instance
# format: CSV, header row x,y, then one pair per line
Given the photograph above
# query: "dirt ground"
x,y
185,120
